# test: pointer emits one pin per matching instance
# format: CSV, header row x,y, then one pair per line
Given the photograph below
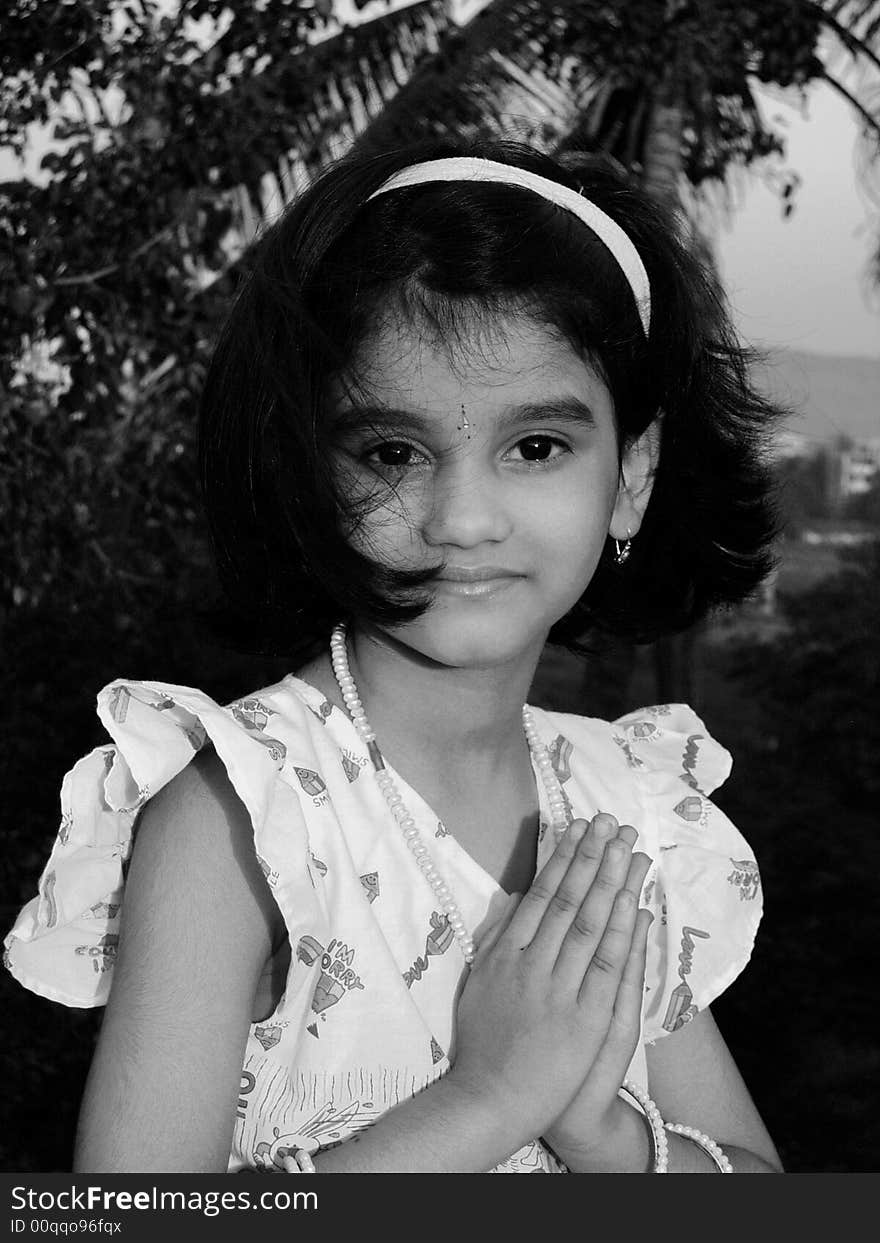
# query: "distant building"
x,y
858,465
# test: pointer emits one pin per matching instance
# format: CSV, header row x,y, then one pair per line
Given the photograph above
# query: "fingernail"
x,y
576,830
604,824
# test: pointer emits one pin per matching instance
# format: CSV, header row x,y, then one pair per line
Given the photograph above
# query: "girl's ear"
x,y
638,464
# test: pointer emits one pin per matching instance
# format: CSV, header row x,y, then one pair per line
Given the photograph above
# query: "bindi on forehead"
x,y
567,409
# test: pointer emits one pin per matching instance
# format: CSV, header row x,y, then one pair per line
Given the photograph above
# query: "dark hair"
x,y
317,279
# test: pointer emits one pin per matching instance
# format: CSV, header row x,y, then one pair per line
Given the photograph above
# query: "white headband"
x,y
462,168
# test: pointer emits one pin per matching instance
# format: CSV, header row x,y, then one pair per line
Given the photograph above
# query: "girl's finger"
x,y
631,993
626,1019
626,833
595,918
560,906
537,897
640,865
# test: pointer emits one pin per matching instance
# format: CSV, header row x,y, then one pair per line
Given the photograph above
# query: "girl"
x,y
468,400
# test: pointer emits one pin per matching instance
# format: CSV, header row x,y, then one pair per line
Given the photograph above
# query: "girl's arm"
x,y
197,929
198,926
693,1080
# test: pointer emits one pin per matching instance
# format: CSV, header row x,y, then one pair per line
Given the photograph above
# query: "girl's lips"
x,y
479,587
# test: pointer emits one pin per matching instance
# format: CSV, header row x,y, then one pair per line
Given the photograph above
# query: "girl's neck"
x,y
431,719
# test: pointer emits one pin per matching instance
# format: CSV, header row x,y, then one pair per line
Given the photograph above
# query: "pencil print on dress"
x,y
103,955
681,1008
192,729
322,711
370,882
689,761
195,734
691,810
310,781
48,906
119,700
437,942
351,766
633,760
269,1035
337,977
104,910
253,715
746,877
560,750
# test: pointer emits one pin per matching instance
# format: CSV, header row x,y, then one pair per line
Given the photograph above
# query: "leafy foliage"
x,y
114,270
808,677
804,788
702,54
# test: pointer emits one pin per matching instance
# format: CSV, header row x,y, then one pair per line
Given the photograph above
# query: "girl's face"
x,y
498,458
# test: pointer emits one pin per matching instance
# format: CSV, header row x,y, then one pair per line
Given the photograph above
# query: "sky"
x,y
799,283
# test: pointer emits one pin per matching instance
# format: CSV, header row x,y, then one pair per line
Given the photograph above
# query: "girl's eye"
x,y
392,454
541,448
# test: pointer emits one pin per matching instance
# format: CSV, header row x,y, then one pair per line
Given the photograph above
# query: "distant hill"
x,y
829,396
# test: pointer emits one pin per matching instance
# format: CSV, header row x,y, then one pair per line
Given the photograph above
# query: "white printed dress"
x,y
367,1016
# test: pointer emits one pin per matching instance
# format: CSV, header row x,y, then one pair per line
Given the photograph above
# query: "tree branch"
x,y
852,42
870,121
89,278
74,47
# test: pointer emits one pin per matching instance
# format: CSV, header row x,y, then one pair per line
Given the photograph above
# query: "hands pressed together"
x,y
550,1014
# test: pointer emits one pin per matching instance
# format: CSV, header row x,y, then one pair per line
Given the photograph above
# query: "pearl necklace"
x,y
559,822
394,799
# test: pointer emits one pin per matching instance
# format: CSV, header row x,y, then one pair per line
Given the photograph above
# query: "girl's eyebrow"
x,y
564,409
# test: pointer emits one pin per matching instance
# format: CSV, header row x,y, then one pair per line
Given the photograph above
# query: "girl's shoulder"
x,y
158,728
658,745
64,943
655,768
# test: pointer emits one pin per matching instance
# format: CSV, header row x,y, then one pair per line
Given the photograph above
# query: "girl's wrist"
x,y
488,1109
623,1144
445,1129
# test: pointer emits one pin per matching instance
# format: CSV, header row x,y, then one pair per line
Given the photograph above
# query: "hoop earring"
x,y
622,552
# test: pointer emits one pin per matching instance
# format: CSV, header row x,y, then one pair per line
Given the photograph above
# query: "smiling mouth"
x,y
475,574
476,583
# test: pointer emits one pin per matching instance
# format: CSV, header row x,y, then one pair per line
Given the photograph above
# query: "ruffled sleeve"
x,y
705,890
63,944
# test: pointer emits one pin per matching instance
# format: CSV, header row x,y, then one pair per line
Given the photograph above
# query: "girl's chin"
x,y
462,643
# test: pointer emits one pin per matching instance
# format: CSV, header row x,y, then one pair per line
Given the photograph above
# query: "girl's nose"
x,y
465,508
